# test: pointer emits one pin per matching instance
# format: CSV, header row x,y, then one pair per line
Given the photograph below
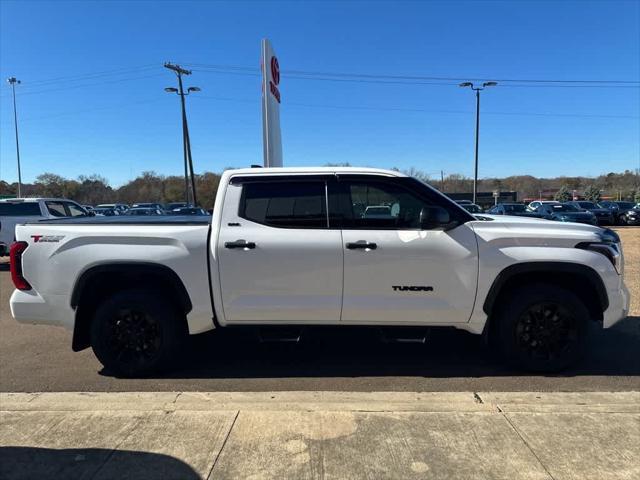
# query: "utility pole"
x,y
186,142
442,181
477,90
12,81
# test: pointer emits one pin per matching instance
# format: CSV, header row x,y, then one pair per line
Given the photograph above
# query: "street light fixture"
x,y
188,160
477,90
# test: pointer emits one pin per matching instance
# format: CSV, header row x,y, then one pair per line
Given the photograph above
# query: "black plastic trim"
x,y
135,268
546,267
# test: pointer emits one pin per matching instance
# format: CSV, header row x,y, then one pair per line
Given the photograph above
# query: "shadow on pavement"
x,y
4,267
30,463
357,352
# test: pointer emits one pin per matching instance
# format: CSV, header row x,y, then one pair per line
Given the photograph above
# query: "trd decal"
x,y
411,288
46,238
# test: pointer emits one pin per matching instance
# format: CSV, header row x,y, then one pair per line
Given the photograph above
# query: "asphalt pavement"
x,y
35,358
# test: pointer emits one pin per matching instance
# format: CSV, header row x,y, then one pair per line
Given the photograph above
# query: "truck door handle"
x,y
240,244
361,245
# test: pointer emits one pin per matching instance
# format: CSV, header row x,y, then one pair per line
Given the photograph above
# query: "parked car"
x,y
618,210
283,255
106,212
564,212
120,208
172,206
189,211
14,211
145,211
603,215
377,211
148,205
471,207
631,217
88,208
533,206
515,209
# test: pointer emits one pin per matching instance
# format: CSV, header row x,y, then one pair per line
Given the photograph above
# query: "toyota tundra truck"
x,y
291,248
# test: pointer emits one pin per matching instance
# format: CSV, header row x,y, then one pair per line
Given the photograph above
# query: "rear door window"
x,y
22,209
292,204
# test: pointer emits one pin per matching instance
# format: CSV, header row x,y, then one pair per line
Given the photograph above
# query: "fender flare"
x,y
134,268
511,271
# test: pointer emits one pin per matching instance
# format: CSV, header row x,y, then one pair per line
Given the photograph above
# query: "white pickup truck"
x,y
293,247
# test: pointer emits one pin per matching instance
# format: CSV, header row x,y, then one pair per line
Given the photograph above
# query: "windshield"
x,y
514,208
625,204
587,205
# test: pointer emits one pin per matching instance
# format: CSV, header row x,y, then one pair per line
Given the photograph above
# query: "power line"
x,y
422,110
406,82
105,82
92,75
316,74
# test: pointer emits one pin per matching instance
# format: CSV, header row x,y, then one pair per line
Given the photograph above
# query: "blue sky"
x,y
92,98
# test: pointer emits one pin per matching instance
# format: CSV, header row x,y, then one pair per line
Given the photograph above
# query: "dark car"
x,y
105,212
603,215
147,205
145,211
566,213
189,211
471,207
619,210
631,217
169,207
515,209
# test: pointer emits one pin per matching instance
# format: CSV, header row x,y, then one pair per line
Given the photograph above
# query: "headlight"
x,y
609,246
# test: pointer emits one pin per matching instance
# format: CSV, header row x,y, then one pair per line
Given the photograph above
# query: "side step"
x,y
279,334
403,335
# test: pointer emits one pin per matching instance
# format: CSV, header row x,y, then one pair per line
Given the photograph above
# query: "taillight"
x,y
15,263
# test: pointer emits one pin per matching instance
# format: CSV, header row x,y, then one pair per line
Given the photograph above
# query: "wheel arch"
x,y
100,281
583,280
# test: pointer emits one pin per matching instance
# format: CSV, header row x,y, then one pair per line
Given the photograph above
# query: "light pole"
x,y
186,142
12,81
477,90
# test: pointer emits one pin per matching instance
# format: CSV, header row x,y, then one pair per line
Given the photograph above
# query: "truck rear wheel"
x,y
136,333
542,328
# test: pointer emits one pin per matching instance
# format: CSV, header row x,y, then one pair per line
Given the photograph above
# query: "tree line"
x,y
153,187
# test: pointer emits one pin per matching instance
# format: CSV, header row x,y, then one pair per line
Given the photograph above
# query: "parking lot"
x,y
39,358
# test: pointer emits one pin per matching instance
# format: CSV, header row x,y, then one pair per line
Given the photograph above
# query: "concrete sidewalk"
x,y
301,435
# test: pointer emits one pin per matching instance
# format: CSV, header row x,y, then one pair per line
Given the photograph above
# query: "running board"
x,y
279,334
403,335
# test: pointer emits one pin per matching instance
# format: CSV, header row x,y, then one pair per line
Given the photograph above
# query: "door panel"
x,y
411,275
444,263
291,275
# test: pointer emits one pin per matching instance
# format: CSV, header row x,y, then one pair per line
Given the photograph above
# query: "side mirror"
x,y
435,218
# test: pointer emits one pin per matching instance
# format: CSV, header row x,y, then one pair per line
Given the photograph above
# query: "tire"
x,y
136,333
542,328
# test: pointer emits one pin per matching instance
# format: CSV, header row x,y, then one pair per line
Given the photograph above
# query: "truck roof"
x,y
302,170
34,199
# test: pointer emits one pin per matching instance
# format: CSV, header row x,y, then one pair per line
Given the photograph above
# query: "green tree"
x,y
592,193
563,194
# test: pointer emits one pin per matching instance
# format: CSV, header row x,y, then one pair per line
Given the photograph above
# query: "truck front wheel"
x,y
542,328
136,333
